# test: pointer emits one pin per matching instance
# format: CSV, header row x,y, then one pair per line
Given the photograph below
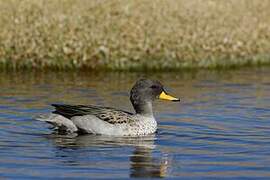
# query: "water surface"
x,y
221,127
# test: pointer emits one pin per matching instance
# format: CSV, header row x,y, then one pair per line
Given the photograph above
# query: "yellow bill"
x,y
165,96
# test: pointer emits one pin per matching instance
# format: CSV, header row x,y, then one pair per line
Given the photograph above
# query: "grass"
x,y
133,35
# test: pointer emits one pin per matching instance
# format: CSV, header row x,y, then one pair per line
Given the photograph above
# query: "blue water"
x,y
221,127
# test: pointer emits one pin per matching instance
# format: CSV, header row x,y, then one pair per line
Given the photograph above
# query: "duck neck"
x,y
144,109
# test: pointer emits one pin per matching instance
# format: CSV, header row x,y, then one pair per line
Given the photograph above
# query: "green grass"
x,y
133,35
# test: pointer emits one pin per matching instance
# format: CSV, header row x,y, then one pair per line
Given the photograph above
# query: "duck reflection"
x,y
144,160
143,164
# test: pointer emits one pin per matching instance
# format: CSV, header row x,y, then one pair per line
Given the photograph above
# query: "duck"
x,y
99,120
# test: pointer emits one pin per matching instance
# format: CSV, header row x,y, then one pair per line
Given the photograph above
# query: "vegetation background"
x,y
133,35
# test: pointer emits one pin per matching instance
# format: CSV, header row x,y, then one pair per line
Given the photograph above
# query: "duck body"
x,y
99,120
110,121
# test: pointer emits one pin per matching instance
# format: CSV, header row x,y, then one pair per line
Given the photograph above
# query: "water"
x,y
221,127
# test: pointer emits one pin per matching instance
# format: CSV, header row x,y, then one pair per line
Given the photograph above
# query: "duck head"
x,y
144,92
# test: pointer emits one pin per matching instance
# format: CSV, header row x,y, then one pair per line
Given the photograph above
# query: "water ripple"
x,y
220,129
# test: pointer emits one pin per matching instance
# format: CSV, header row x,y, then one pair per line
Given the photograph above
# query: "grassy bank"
x,y
143,34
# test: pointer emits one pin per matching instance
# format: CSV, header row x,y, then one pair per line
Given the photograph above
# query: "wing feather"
x,y
107,114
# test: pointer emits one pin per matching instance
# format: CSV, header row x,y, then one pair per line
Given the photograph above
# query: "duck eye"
x,y
154,87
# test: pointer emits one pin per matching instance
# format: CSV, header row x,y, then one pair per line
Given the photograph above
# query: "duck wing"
x,y
110,115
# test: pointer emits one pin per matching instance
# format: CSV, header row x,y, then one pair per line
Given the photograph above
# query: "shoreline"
x,y
147,35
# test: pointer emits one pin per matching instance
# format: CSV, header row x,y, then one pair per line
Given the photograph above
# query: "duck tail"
x,y
60,122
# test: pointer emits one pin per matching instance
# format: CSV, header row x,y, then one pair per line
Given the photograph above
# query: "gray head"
x,y
144,92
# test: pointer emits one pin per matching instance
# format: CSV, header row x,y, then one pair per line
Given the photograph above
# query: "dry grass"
x,y
126,34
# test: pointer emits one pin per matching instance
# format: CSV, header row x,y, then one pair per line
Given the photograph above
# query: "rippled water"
x,y
221,128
